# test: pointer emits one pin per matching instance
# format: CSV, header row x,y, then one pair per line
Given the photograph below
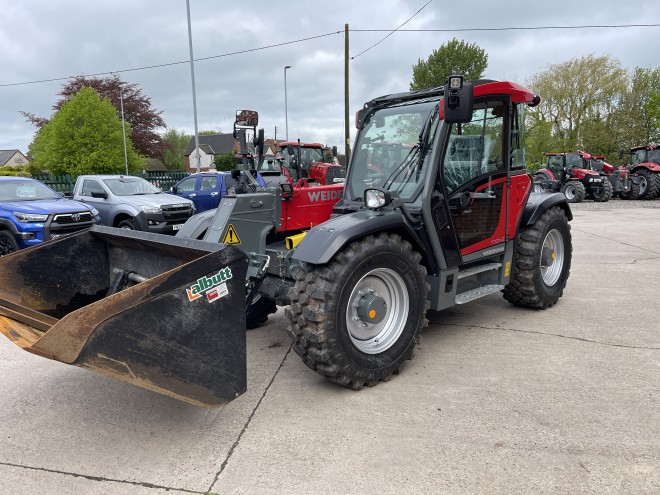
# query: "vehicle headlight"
x,y
30,217
95,212
151,209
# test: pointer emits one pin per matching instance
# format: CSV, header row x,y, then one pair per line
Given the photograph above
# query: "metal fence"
x,y
64,183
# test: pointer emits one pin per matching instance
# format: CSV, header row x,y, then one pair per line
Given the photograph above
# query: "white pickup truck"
x,y
133,203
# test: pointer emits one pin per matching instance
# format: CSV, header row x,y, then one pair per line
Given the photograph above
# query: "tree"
x,y
467,59
578,99
84,137
174,149
225,161
143,119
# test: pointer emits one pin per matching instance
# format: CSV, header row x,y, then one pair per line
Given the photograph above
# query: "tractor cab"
x,y
308,161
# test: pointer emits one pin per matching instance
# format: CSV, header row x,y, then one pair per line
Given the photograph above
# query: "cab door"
x,y
208,192
478,179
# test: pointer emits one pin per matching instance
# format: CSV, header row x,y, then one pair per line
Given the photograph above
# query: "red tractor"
x,y
624,185
645,164
307,161
570,174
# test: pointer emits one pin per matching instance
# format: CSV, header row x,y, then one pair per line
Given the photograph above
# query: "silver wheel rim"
x,y
374,338
569,192
642,184
551,271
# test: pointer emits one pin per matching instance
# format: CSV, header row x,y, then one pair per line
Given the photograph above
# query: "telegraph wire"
x,y
170,64
391,32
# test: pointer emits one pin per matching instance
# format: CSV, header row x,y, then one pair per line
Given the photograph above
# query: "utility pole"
x,y
286,106
347,128
192,76
123,129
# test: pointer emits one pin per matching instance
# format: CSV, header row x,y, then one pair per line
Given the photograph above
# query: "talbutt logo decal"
x,y
214,286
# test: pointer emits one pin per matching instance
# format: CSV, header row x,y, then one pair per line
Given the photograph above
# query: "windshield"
x,y
307,156
130,186
574,160
388,153
27,190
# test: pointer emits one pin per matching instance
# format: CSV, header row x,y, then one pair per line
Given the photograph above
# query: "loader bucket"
x,y
160,312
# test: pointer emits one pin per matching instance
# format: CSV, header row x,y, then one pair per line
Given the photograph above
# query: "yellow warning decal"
x,y
507,269
231,237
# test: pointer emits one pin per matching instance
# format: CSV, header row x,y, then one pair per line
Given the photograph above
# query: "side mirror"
x,y
457,101
174,189
100,194
247,118
334,151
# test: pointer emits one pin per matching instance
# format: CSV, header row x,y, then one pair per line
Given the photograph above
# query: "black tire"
x,y
257,313
8,243
649,187
605,194
538,178
530,285
632,193
127,224
574,191
380,276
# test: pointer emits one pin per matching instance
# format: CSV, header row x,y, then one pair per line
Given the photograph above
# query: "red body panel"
x,y
309,205
581,173
548,172
518,192
653,167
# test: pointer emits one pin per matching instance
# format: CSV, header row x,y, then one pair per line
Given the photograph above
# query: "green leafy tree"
x,y
578,98
174,149
138,112
467,59
225,161
84,137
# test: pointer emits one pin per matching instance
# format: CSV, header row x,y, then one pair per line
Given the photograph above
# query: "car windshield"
x,y
27,190
130,186
654,156
392,150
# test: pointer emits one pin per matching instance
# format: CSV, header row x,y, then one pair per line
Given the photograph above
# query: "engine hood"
x,y
161,200
43,206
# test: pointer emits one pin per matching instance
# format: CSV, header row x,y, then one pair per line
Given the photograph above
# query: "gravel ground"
x,y
615,204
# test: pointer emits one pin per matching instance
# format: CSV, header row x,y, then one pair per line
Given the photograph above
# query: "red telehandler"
x,y
454,220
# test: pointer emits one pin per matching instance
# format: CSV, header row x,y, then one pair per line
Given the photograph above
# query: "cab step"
x,y
468,272
473,294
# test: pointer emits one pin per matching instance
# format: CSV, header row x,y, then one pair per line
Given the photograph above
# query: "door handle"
x,y
214,194
193,195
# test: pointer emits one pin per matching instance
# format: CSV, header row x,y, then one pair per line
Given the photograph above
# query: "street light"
x,y
286,110
123,130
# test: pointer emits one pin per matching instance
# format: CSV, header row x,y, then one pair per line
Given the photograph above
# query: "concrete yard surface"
x,y
497,399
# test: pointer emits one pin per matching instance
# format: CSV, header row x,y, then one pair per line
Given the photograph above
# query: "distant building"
x,y
211,145
12,158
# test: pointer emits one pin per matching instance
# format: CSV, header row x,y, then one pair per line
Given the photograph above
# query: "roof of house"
x,y
5,156
218,143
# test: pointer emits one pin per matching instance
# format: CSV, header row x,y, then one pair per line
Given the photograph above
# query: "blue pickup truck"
x,y
205,189
31,213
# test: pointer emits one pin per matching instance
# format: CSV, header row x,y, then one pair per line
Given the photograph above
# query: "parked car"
x,y
31,213
205,189
133,203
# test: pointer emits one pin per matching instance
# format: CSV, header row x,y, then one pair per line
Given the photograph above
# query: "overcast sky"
x,y
41,39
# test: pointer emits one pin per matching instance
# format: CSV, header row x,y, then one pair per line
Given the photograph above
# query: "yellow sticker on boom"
x,y
231,237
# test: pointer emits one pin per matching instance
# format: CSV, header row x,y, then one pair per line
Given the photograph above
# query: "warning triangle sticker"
x,y
231,237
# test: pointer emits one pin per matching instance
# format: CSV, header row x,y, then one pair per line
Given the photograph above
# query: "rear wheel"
x,y
648,184
604,194
7,243
542,262
356,319
574,191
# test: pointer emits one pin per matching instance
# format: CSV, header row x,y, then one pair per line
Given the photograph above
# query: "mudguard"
x,y
324,241
196,226
159,312
538,203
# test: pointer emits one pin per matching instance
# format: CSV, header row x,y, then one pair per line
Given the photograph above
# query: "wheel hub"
x,y
548,256
371,308
552,258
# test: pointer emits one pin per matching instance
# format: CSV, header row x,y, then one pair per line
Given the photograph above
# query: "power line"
x,y
391,32
146,67
515,28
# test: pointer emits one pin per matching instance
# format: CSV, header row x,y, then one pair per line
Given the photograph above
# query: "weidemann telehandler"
x,y
447,218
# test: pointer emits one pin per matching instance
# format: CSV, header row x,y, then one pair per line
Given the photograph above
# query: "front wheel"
x,y
631,193
257,313
358,318
648,184
574,191
7,243
605,194
541,262
127,224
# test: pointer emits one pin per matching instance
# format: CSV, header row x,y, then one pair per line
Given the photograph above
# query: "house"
x,y
211,145
12,157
